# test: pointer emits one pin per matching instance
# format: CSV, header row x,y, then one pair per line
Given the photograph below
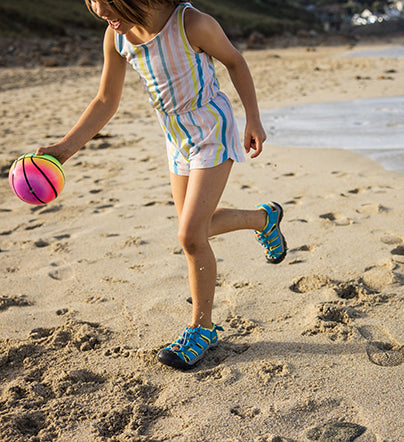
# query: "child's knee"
x,y
192,239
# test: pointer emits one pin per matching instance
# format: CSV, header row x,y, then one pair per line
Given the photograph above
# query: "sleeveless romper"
x,y
197,118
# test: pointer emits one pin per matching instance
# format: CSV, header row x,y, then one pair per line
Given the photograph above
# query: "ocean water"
x,y
373,127
389,52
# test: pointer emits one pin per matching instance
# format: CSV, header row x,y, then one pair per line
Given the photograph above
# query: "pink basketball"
x,y
36,179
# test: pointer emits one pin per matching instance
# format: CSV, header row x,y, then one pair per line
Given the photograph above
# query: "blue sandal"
x,y
271,238
190,347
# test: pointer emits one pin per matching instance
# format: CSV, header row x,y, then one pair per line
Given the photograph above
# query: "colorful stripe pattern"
x,y
203,138
177,78
183,88
36,179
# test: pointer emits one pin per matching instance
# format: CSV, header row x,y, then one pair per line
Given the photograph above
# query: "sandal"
x,y
271,238
190,347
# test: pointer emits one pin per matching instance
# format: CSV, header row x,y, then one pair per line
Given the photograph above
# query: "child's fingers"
x,y
257,146
253,143
249,142
53,151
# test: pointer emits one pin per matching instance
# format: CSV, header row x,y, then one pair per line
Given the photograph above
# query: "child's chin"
x,y
115,26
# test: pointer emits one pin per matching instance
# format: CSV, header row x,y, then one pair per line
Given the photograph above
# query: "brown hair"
x,y
133,11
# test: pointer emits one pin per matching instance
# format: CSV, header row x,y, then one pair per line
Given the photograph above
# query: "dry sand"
x,y
95,283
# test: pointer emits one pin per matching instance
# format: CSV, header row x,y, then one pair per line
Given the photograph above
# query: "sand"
x,y
95,283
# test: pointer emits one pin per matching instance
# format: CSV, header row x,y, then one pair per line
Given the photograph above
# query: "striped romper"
x,y
197,118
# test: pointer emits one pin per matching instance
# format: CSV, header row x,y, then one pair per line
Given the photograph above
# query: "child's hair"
x,y
134,11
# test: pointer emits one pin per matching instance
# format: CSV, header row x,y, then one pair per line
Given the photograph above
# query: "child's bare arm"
x,y
100,110
206,35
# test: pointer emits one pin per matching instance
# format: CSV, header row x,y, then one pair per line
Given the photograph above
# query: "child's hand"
x,y
55,151
254,136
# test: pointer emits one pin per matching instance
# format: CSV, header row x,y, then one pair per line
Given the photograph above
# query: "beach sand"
x,y
95,283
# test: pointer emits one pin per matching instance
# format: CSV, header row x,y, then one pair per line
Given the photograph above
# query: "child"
x,y
171,45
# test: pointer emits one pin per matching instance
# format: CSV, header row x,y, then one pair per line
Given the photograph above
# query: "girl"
x,y
171,45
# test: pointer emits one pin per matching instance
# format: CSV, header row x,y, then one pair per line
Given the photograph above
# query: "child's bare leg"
x,y
196,199
223,220
229,220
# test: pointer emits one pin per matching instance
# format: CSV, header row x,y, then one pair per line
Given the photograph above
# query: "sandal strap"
x,y
271,238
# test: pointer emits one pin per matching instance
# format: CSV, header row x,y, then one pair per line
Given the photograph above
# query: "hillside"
x,y
269,17
47,18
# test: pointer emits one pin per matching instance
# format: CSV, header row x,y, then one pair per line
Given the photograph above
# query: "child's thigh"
x,y
179,184
204,190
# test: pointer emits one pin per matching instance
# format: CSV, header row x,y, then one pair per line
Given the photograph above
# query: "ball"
x,y
36,179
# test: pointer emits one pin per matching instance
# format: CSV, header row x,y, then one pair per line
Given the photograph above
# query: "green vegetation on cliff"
x,y
46,18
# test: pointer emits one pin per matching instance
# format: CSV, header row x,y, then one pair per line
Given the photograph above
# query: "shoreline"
x,y
369,126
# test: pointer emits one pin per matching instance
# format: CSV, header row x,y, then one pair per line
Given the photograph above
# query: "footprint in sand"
x,y
336,431
246,187
330,216
102,208
34,226
13,301
132,241
356,191
244,326
30,423
338,173
294,201
303,248
382,349
48,209
369,290
5,167
267,370
75,382
118,351
398,254
95,299
245,412
371,209
224,350
379,277
298,220
241,284
49,384
135,411
333,320
398,251
159,203
41,243
227,375
62,236
350,290
309,283
62,272
336,218
296,261
391,240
